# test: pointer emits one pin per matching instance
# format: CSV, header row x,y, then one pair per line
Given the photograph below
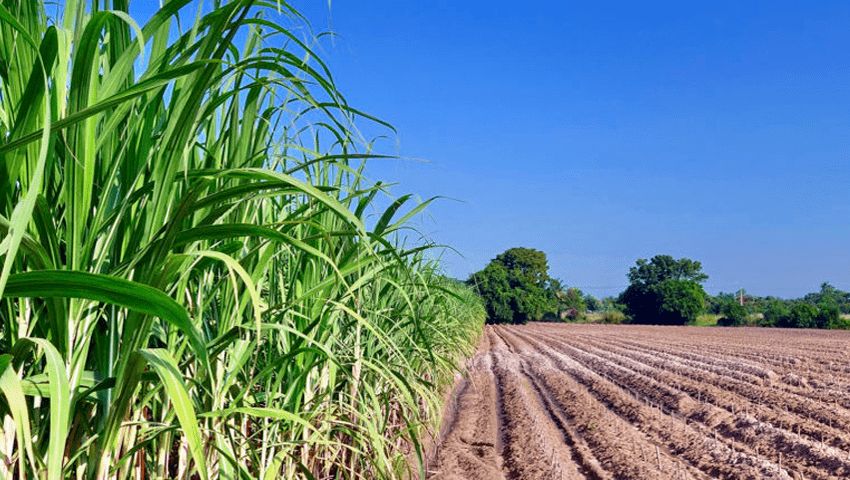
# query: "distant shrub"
x,y
573,315
593,303
734,314
671,302
841,323
801,315
705,320
774,313
805,315
828,315
613,316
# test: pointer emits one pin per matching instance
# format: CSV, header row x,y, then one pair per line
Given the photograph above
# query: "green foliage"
x,y
571,303
802,315
515,286
829,295
186,259
679,301
665,267
526,263
828,315
664,291
613,317
593,303
775,313
611,303
706,320
733,313
611,311
495,289
821,309
841,323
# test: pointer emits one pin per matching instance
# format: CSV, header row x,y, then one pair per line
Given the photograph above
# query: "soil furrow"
x,y
753,437
634,402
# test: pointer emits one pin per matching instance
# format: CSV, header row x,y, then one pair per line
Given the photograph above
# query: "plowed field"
x,y
551,401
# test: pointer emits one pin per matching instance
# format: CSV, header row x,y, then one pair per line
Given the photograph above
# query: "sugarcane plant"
x,y
198,280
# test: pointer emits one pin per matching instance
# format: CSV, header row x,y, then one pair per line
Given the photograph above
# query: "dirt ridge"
x,y
591,402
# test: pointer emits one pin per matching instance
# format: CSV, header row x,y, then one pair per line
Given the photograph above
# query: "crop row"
x,y
646,402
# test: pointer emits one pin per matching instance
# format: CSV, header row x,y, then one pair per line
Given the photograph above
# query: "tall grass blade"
x,y
168,372
60,402
103,288
11,387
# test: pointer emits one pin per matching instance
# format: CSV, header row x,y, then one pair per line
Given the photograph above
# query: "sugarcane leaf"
x,y
163,364
108,289
10,385
60,402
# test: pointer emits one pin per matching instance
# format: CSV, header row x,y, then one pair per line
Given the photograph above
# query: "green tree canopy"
x,y
801,315
734,314
493,286
831,296
593,303
572,302
665,267
664,291
515,286
527,263
774,310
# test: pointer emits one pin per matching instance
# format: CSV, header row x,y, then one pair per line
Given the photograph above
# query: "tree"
x,y
515,286
493,286
775,313
802,315
828,314
593,303
831,296
734,314
679,301
572,303
664,291
527,263
664,267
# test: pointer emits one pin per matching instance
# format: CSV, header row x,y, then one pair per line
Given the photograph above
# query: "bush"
x,y
774,313
730,322
515,286
706,320
664,291
734,314
572,302
828,315
671,302
613,317
593,303
573,315
802,315
842,323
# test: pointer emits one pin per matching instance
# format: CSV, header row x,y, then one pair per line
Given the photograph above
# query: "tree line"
x,y
823,309
516,288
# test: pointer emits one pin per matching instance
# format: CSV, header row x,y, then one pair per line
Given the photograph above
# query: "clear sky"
x,y
604,132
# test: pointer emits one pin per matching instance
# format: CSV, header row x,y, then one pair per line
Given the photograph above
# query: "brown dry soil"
x,y
553,401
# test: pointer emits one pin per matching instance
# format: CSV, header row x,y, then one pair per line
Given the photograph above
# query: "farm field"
x,y
613,402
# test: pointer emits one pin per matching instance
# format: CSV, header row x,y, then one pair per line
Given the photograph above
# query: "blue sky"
x,y
604,132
